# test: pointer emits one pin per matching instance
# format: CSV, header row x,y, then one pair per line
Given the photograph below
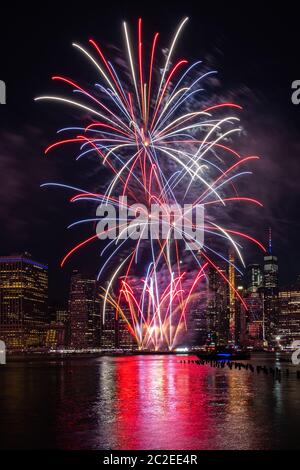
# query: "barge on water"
x,y
226,355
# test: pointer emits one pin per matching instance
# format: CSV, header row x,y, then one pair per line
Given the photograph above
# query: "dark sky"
x,y
256,52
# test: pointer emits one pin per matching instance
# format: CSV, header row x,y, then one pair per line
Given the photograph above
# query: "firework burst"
x,y
161,146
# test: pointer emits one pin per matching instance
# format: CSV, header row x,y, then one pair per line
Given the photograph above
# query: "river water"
x,y
146,402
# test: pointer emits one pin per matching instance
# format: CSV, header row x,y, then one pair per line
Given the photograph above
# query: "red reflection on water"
x,y
158,402
156,407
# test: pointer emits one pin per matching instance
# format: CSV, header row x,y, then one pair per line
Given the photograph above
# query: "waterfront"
x,y
146,402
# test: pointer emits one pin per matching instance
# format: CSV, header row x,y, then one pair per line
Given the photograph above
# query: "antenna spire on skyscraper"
x,y
270,240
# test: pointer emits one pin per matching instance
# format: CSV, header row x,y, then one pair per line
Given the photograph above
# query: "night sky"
x,y
256,53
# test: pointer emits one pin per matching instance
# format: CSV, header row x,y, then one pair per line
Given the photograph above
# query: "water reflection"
x,y
144,402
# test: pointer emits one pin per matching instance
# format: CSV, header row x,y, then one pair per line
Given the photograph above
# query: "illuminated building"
x,y
84,312
23,301
55,335
255,319
254,297
61,315
288,328
270,272
226,316
270,267
232,303
124,338
197,333
217,309
240,331
212,305
109,328
270,293
254,276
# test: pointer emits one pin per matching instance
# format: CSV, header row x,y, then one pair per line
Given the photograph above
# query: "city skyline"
x,y
77,322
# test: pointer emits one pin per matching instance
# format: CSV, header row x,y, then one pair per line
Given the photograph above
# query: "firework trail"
x,y
161,147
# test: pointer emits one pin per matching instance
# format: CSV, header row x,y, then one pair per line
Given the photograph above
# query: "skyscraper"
x,y
217,309
84,312
197,321
270,271
254,277
270,293
240,312
270,267
109,337
255,318
55,335
232,300
125,338
288,326
23,300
